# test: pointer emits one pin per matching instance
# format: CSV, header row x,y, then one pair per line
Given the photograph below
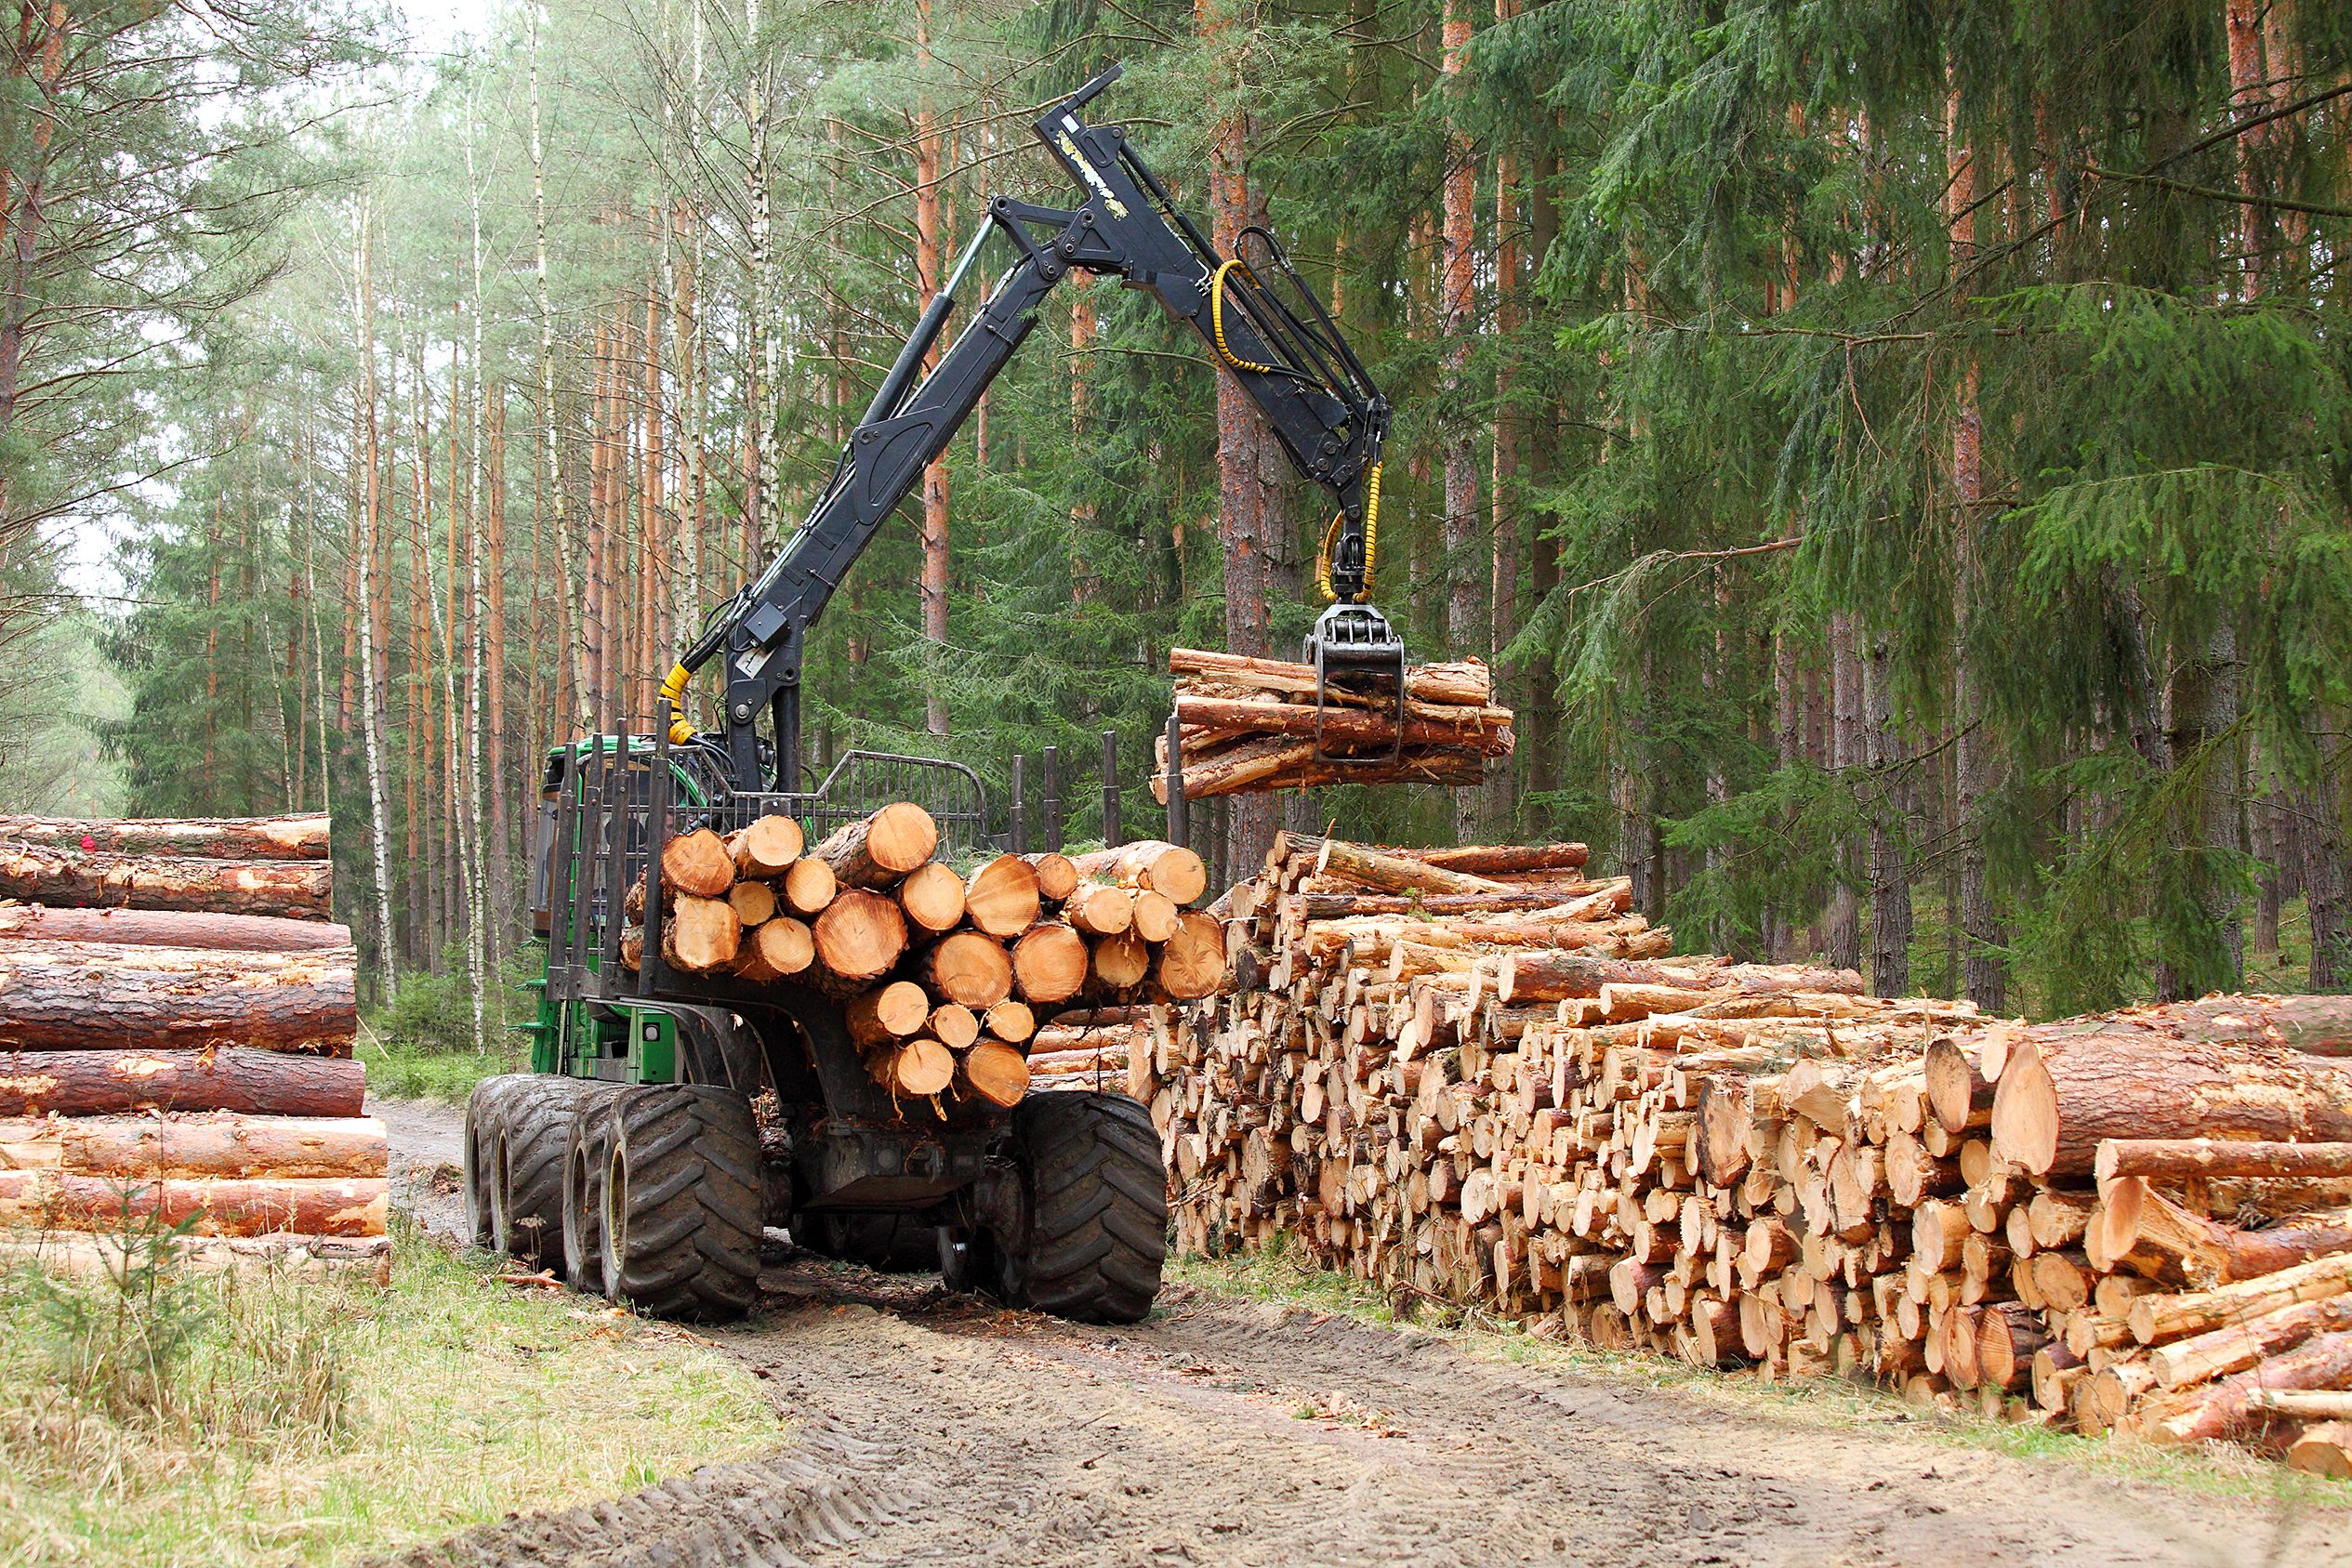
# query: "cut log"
x,y
2305,1405
1010,1021
1151,864
56,1200
1049,963
2135,1218
1155,915
696,865
2324,1449
2008,1334
968,966
2226,1408
2057,1099
2235,1347
219,1144
996,1073
1957,1092
1282,762
932,896
809,886
1057,874
1001,897
1504,859
57,995
1190,963
1480,730
752,902
1118,962
303,837
775,949
165,928
367,1259
2178,1159
1460,681
859,935
896,1011
916,1070
2161,1317
111,1082
953,1025
882,848
767,847
700,935
2321,1025
1100,909
1381,870
294,890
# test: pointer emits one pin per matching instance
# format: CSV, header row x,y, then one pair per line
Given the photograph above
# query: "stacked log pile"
x,y
948,978
177,1016
1250,724
2138,1223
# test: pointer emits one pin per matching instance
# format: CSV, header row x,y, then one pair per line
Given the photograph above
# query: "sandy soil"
x,y
931,1429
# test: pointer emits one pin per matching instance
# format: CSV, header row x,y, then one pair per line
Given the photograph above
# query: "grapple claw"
x,y
1355,651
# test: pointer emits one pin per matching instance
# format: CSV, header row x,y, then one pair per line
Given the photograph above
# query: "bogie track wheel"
x,y
586,1146
526,1177
1097,1200
485,1111
681,1202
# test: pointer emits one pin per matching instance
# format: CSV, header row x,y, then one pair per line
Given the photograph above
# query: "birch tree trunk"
x,y
550,499
477,924
364,552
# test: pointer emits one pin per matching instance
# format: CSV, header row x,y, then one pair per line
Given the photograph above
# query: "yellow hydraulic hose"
x,y
674,692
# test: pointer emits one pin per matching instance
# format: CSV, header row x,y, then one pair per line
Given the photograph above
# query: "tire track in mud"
x,y
932,1429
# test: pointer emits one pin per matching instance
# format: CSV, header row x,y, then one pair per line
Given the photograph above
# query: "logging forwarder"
x,y
634,1138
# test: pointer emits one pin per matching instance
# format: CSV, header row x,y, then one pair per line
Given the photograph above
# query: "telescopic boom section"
x,y
1265,327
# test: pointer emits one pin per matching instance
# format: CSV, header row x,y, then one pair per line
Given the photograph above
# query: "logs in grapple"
x,y
1249,724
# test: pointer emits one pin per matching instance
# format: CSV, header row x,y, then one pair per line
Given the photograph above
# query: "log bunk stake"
x,y
1473,1077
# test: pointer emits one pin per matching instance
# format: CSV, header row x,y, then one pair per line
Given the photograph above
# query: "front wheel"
x,y
1097,1201
486,1120
681,1202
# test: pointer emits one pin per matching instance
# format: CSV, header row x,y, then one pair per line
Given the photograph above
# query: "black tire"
x,y
485,1110
681,1202
1098,1208
586,1145
526,1175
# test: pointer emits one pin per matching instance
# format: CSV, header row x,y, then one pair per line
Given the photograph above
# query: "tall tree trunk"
x,y
478,937
16,303
1456,314
1503,479
1842,926
928,174
1543,566
1890,861
571,650
758,340
371,722
497,767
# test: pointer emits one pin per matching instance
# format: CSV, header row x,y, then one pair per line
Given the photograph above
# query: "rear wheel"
x,y
484,1117
1096,1232
681,1202
586,1146
526,1178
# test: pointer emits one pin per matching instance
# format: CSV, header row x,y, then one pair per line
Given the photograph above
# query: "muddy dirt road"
x,y
928,1428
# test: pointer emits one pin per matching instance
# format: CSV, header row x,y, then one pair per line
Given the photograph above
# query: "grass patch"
x,y
1285,1277
407,1072
196,1420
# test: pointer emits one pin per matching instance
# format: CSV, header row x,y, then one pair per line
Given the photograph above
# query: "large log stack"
x,y
1506,1095
1252,725
947,977
177,1014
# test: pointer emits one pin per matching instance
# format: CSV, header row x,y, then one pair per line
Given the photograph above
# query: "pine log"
x,y
109,1082
1958,1094
2322,1449
752,902
968,967
1155,915
2133,1216
58,1200
932,896
1467,682
896,1011
2057,1099
1600,901
76,878
996,1073
2160,1317
808,886
775,949
2178,1159
953,1025
164,927
1280,763
700,935
696,865
2305,1405
1118,962
57,996
1100,909
1504,859
1057,874
1379,869
85,1256
2226,1408
2321,1025
303,837
1190,963
916,1069
1001,897
882,848
213,1144
859,935
2236,1346
1010,1021
1485,730
1049,963
1149,863
2008,1334
767,847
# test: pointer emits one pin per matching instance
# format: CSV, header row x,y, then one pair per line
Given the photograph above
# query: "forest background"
x,y
1897,456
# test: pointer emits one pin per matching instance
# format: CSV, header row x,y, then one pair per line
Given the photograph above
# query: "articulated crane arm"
x,y
1283,349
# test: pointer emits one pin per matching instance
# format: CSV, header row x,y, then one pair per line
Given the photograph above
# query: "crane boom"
x,y
1286,353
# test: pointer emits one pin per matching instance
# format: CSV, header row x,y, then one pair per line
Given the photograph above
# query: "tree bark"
x,y
295,889
143,927
189,1146
57,995
303,837
2057,1099
117,1082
